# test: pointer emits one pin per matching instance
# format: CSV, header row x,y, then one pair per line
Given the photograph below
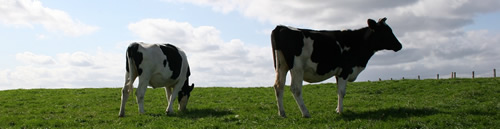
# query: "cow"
x,y
157,65
316,55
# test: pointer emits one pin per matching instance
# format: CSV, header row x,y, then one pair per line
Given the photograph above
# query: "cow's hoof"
x,y
121,115
169,112
306,116
282,114
339,111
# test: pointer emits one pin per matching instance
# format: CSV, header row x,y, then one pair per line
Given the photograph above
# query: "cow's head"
x,y
382,36
183,95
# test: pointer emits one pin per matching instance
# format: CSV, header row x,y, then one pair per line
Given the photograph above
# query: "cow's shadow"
x,y
390,113
198,113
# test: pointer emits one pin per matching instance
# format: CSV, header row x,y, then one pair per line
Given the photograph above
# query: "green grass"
x,y
454,103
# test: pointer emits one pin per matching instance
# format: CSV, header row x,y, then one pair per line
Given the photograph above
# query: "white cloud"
x,y
213,62
65,70
30,58
41,37
27,13
77,59
325,14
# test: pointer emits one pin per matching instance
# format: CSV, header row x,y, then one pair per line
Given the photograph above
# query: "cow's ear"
x,y
191,87
382,20
372,24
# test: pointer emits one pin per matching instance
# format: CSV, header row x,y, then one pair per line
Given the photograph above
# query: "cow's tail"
x,y
275,39
131,66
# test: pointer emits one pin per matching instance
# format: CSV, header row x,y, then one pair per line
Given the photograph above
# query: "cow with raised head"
x,y
157,65
316,55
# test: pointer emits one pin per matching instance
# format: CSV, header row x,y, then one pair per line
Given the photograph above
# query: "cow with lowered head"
x,y
157,65
316,55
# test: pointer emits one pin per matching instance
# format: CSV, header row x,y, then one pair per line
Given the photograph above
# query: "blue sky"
x,y
77,44
488,21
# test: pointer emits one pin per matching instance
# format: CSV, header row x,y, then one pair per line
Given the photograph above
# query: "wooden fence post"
x,y
452,75
379,79
418,77
455,74
472,74
494,73
438,76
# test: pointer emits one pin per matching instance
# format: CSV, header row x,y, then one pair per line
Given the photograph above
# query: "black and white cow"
x,y
157,65
314,56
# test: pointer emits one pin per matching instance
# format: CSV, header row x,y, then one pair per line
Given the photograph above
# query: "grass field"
x,y
453,103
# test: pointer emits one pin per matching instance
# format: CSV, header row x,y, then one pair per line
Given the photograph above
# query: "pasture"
x,y
448,103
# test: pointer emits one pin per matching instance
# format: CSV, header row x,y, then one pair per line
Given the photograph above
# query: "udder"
x,y
160,80
312,76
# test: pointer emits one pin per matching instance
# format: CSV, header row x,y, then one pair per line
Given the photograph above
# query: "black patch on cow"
x,y
132,52
288,41
126,63
186,89
188,73
174,59
165,63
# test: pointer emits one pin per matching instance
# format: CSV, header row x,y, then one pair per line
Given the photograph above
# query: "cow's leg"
x,y
341,86
168,92
141,91
127,88
279,86
177,88
296,88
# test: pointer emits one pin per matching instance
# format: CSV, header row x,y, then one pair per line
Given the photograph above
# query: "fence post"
x,y
494,73
438,76
455,74
451,75
379,79
418,77
472,74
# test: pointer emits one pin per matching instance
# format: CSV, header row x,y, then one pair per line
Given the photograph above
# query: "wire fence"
x,y
451,76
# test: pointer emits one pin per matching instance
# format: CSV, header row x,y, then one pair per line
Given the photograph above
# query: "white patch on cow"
x,y
276,57
183,103
341,86
355,72
342,49
345,49
308,47
301,61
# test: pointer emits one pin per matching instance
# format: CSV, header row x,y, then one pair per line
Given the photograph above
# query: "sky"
x,y
82,44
